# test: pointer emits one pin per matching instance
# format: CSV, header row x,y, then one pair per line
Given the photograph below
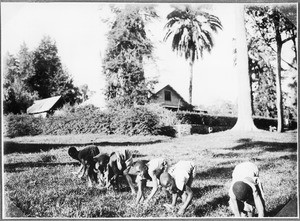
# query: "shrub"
x,y
133,121
148,119
22,125
205,119
79,122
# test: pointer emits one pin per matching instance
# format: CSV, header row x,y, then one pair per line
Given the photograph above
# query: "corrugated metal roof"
x,y
44,105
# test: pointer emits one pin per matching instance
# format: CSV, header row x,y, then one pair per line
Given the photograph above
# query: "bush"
x,y
22,125
78,122
205,119
145,120
150,119
132,121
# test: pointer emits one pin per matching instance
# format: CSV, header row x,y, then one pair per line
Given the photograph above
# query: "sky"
x,y
80,36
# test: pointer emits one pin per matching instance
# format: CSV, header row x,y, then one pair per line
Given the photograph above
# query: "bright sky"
x,y
80,38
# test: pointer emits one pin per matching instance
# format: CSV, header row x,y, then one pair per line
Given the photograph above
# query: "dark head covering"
x,y
242,191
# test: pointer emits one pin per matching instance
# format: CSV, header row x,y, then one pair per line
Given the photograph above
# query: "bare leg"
x,y
183,197
83,171
129,180
90,184
79,171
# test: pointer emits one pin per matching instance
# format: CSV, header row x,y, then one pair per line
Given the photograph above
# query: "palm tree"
x,y
192,34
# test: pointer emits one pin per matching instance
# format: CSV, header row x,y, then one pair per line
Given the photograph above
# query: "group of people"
x,y
246,193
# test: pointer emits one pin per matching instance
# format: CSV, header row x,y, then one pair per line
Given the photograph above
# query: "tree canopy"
x,y
128,46
191,30
36,75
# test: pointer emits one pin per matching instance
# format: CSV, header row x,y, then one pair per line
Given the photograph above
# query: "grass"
x,y
38,179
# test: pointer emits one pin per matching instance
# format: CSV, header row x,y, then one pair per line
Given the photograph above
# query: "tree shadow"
x,y
216,172
211,205
244,140
267,146
292,157
18,167
14,147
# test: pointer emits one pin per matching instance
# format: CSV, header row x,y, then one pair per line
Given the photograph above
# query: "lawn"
x,y
39,182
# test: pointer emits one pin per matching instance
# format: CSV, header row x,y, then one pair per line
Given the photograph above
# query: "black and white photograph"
x,y
149,110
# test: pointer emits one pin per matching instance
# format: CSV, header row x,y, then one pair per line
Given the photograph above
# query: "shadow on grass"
x,y
292,157
13,147
17,167
216,172
267,146
212,205
199,192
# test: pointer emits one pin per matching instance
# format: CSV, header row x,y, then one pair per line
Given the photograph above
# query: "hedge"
x,y
146,120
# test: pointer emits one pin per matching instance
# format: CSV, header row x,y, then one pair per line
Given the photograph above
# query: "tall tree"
x,y
276,29
128,47
262,76
50,78
244,121
17,97
191,31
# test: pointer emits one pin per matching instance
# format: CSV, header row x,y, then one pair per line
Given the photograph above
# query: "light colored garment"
x,y
243,170
246,172
156,165
182,172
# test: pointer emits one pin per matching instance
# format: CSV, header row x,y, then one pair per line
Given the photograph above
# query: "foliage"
x,y
263,88
21,125
33,75
128,47
50,78
79,120
221,107
17,97
192,34
273,26
274,29
137,120
205,119
191,30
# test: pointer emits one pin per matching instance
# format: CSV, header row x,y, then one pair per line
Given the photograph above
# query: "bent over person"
x,y
150,171
246,193
178,181
84,156
118,164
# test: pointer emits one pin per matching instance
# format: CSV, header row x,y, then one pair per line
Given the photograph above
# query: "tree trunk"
x,y
244,121
191,83
278,77
279,92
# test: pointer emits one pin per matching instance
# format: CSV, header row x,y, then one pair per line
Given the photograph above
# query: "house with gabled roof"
x,y
43,107
169,98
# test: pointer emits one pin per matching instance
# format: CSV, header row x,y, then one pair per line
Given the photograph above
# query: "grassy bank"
x,y
39,182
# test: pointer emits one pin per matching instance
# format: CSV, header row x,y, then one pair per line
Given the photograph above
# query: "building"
x,y
44,107
169,98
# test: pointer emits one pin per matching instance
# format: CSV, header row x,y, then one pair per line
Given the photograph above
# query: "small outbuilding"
x,y
43,107
169,98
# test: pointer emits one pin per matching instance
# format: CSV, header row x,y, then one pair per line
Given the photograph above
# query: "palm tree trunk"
x,y
244,121
191,83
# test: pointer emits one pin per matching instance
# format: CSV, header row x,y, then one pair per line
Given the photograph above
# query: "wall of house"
x,y
175,100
